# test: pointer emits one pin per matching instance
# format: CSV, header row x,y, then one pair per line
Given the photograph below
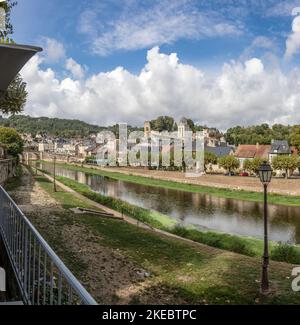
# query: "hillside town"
x,y
84,150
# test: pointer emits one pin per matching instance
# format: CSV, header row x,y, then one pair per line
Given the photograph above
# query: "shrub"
x,y
285,253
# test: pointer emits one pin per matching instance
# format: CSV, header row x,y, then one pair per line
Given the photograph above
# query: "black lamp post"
x,y
265,175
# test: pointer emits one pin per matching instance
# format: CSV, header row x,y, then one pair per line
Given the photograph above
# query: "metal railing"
x,y
42,277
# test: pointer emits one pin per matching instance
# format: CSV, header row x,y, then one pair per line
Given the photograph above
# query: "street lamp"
x,y
265,174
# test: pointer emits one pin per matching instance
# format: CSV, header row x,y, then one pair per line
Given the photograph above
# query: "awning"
x,y
12,59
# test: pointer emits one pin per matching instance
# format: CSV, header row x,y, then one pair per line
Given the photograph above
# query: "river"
x,y
203,211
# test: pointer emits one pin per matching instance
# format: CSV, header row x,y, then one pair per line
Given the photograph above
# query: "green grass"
x,y
219,192
242,245
193,274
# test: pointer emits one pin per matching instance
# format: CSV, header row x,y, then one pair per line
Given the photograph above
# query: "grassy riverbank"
x,y
180,272
242,245
214,191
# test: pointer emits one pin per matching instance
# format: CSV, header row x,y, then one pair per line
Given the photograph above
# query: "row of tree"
x,y
281,162
263,134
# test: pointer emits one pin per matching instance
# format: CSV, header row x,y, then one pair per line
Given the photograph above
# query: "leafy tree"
x,y
163,123
210,158
229,163
295,136
286,163
12,141
7,6
262,134
14,98
256,163
247,165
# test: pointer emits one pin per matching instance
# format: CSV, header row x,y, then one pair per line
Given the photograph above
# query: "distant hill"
x,y
52,126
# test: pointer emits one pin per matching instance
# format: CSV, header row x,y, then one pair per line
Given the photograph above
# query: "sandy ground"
x,y
278,185
109,276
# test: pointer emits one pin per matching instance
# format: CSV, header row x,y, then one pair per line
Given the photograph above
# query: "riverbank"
x,y
124,264
156,178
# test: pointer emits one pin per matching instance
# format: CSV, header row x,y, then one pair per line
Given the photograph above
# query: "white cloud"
x,y
54,51
75,68
293,41
242,93
164,22
254,67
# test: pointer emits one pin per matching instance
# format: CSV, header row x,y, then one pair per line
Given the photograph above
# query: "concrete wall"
x,y
7,169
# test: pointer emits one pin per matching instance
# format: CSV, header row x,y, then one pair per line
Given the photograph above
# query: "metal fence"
x,y
42,277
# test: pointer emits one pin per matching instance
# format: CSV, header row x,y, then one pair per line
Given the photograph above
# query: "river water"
x,y
200,210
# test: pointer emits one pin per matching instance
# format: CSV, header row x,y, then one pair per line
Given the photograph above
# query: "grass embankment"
x,y
242,245
192,274
219,192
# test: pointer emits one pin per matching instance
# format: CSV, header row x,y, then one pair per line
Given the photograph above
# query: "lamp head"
x,y
265,173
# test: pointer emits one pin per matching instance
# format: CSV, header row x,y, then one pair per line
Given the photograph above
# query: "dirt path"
x,y
108,275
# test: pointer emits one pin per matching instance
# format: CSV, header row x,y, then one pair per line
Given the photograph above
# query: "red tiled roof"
x,y
252,151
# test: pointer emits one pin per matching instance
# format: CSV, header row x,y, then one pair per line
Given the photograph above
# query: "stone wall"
x,y
7,169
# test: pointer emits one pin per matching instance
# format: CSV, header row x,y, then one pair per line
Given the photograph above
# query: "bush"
x,y
285,253
218,240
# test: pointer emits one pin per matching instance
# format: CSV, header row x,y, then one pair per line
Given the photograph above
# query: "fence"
x,y
42,277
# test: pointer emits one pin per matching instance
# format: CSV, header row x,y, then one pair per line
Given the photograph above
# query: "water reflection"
x,y
201,210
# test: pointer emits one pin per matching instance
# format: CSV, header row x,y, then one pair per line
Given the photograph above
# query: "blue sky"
x,y
84,39
79,23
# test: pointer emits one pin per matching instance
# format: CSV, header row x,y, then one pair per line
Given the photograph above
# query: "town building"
x,y
279,147
249,151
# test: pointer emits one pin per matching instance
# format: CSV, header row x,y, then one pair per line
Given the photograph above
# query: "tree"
x,y
247,165
256,163
163,123
295,136
7,6
12,141
257,134
253,165
210,158
286,163
229,163
14,98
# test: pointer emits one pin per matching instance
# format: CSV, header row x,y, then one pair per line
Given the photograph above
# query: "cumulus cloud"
x,y
293,41
54,50
75,68
242,93
162,22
